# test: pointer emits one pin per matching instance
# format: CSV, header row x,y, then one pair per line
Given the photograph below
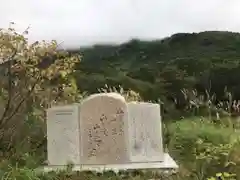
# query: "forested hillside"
x,y
160,69
199,131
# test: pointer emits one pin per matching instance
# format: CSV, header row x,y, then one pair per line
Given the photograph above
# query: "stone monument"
x,y
63,133
145,135
103,119
104,132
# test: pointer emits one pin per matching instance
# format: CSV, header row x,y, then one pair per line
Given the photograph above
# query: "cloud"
x,y
83,22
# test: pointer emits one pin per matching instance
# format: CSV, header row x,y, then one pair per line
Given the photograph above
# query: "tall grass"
x,y
204,146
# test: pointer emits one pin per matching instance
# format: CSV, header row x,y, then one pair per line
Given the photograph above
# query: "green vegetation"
x,y
193,76
207,61
203,148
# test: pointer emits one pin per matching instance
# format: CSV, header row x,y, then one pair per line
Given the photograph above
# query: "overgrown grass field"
x,y
201,148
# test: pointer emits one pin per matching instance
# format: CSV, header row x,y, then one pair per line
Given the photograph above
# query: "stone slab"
x,y
145,132
104,129
63,136
167,164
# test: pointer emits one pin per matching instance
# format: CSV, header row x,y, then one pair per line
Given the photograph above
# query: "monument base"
x,y
167,164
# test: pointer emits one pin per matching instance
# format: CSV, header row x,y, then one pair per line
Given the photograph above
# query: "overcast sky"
x,y
84,22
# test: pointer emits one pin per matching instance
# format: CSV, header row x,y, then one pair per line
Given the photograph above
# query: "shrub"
x,y
203,148
33,76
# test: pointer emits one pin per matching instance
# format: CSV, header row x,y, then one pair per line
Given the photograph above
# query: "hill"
x,y
160,69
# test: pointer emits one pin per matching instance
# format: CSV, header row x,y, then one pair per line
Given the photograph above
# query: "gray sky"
x,y
84,22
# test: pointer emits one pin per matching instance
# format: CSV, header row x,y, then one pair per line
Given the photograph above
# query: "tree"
x,y
33,75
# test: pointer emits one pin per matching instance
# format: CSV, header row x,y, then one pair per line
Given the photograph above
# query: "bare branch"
x,y
6,119
7,107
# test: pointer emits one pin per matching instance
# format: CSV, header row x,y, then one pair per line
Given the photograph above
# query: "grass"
x,y
201,148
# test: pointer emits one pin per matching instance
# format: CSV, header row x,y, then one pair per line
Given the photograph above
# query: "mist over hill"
x,y
160,69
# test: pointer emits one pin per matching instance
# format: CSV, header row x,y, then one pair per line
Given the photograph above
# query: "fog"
x,y
85,22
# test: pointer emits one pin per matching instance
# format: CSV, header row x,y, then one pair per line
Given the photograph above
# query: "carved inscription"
x,y
102,120
106,129
63,135
145,132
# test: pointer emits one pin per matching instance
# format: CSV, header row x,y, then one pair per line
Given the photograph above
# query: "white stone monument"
x,y
106,133
145,132
63,135
103,119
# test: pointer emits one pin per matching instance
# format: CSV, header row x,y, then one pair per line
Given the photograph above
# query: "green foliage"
x,y
185,73
160,69
23,173
223,176
33,77
203,148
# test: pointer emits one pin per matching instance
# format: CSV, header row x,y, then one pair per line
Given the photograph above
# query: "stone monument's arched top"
x,y
105,95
